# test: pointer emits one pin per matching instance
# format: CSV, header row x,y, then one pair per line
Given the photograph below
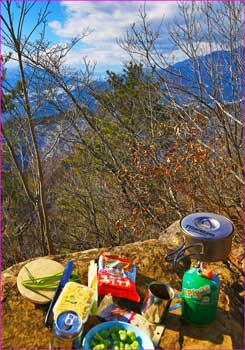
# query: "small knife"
x,y
64,278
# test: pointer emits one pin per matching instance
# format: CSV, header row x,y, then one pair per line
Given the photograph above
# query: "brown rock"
x,y
23,322
173,234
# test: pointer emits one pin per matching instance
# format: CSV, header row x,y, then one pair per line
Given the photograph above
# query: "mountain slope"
x,y
215,76
184,74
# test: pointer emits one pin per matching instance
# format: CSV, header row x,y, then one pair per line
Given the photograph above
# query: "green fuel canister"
x,y
200,294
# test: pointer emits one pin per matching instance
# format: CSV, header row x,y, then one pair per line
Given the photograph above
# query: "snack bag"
x,y
117,277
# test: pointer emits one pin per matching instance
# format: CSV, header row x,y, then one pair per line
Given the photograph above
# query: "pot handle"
x,y
170,257
178,305
179,254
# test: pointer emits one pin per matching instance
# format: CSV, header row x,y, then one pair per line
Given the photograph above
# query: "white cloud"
x,y
204,48
109,21
55,25
106,54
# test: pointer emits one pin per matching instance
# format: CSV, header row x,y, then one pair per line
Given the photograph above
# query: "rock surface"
x,y
23,322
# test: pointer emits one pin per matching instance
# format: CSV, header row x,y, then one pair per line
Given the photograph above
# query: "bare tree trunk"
x,y
40,200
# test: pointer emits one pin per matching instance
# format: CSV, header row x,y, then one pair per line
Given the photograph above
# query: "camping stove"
x,y
209,237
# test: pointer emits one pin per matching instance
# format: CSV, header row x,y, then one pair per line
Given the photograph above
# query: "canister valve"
x,y
208,274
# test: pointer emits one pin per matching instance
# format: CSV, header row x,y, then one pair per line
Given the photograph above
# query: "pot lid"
x,y
206,226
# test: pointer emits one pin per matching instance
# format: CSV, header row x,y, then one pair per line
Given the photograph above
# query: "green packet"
x,y
93,283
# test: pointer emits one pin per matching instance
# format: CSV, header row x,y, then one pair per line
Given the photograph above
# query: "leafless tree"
x,y
21,130
206,117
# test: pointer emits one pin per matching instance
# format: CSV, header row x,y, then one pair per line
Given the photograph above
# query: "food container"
x,y
207,237
144,341
75,297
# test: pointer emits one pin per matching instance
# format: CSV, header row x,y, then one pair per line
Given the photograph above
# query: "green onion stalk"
x,y
47,283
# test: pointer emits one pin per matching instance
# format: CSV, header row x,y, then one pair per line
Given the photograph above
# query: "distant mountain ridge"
x,y
222,62
182,73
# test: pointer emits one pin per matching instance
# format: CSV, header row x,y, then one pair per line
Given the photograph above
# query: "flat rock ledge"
x,y
23,322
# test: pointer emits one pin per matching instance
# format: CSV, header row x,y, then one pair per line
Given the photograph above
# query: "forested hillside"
x,y
118,162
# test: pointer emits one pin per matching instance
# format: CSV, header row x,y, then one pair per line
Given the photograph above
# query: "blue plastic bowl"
x,y
144,341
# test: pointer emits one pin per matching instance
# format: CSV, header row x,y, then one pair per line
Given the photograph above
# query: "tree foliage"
x,y
125,170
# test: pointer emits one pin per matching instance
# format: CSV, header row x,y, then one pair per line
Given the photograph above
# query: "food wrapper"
x,y
116,276
75,297
110,311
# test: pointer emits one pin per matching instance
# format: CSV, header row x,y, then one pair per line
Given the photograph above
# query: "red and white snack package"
x,y
117,276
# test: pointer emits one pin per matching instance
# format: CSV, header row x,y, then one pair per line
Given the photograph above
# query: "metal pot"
x,y
207,236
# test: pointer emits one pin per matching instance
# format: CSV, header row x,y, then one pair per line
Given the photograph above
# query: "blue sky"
x,y
107,21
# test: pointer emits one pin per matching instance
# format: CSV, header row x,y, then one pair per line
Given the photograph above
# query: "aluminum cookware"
x,y
157,302
207,237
